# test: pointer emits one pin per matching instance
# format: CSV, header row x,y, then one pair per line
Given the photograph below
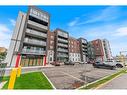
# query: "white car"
x,y
119,64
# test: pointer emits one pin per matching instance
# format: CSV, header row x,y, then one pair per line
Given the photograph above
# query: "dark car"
x,y
69,63
55,63
91,62
104,65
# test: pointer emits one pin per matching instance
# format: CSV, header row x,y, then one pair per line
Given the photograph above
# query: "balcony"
x,y
34,42
62,55
62,45
62,40
33,32
34,24
62,50
62,34
31,51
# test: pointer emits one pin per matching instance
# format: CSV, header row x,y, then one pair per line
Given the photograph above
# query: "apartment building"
x,y
83,49
61,45
51,44
74,50
102,49
29,38
91,51
107,49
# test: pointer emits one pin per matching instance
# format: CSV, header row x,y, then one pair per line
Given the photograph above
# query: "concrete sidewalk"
x,y
28,69
117,83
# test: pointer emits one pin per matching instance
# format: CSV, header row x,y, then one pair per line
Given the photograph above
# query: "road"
x,y
117,83
71,77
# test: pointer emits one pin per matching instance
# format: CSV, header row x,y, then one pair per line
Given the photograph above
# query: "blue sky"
x,y
90,22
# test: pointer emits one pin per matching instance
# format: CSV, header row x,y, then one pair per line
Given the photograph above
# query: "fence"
x,y
2,70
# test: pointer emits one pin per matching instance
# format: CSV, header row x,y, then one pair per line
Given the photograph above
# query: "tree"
x,y
3,55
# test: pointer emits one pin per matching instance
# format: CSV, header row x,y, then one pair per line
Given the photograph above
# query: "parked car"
x,y
91,62
69,63
82,62
104,65
55,63
119,64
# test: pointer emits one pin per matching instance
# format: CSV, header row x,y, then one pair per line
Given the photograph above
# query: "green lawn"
x,y
34,80
96,84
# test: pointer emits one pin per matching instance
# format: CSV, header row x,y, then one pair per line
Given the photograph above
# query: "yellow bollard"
x,y
19,71
12,78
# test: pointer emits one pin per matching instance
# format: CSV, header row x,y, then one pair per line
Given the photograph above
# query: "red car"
x,y
55,63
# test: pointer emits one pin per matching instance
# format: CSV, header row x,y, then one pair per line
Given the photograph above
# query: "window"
x,y
50,58
51,42
51,47
52,37
28,47
96,42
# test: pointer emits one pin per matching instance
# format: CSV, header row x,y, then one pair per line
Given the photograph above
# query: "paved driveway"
x,y
71,77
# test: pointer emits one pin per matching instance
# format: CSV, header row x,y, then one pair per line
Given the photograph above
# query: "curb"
x,y
49,81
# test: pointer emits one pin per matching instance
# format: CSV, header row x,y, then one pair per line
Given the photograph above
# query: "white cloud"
x,y
122,31
13,22
107,14
5,35
4,28
74,22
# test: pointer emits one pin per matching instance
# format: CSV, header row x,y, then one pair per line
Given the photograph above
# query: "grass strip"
x,y
35,80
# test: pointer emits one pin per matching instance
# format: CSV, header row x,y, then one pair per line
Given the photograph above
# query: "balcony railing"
x,y
62,50
36,33
36,42
59,44
63,34
37,25
31,51
62,55
62,40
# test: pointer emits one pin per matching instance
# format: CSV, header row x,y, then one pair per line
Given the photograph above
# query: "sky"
x,y
89,22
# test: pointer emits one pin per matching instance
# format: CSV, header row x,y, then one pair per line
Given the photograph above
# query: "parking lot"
x,y
71,77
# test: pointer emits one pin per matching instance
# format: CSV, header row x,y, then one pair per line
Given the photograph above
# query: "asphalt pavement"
x,y
71,77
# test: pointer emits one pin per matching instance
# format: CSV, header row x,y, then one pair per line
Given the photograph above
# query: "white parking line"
x,y
49,80
72,76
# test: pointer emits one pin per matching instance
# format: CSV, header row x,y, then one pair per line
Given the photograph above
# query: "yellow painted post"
x,y
19,71
12,78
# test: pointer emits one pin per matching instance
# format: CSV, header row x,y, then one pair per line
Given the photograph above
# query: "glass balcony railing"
x,y
62,40
36,33
37,25
33,41
31,51
62,50
63,45
62,55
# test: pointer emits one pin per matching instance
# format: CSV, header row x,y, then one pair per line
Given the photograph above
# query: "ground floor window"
x,y
31,61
